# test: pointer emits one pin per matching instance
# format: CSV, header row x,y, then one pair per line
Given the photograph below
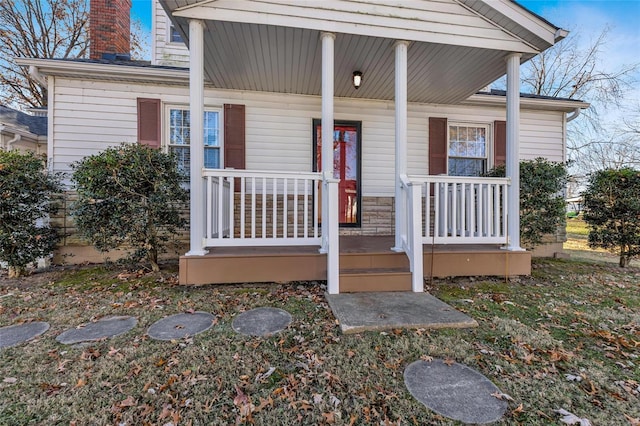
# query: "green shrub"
x,y
129,196
612,211
542,206
26,193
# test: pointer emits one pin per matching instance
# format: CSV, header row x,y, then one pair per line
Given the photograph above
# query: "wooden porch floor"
x,y
366,264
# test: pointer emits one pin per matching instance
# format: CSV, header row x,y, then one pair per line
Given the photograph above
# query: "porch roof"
x,y
457,46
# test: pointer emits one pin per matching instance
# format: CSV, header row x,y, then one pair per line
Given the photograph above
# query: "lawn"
x,y
568,337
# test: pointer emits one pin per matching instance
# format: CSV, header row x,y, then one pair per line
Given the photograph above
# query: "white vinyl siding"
x,y
164,50
90,116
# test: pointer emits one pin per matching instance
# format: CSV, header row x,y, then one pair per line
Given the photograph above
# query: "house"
x,y
25,132
396,87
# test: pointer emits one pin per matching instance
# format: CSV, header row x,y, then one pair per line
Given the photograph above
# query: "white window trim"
x,y
168,40
166,131
490,140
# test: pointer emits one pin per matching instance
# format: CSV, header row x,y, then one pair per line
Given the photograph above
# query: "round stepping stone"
x,y
455,391
180,326
15,334
261,321
105,327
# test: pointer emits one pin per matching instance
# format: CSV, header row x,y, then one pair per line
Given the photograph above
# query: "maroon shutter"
x,y
149,122
234,132
234,140
500,143
437,146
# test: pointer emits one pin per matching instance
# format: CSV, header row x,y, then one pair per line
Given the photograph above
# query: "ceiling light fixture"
x,y
357,79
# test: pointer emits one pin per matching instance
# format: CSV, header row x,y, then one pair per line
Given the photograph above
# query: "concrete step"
x,y
378,279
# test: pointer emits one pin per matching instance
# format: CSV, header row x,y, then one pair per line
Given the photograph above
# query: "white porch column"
x,y
401,47
330,242
196,149
513,150
327,126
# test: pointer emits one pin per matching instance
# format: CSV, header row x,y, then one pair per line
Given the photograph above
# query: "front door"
x,y
346,166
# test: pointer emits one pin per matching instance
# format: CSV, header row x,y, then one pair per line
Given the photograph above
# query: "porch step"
x,y
379,279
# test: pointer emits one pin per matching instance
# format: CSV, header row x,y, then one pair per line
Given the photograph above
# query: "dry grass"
x,y
570,317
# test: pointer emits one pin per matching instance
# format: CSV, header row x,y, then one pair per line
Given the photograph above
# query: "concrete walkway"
x,y
377,311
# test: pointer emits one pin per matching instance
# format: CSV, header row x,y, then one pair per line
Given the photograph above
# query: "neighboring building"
x,y
264,76
22,131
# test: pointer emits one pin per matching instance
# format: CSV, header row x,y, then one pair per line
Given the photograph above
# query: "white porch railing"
x,y
451,210
261,208
463,210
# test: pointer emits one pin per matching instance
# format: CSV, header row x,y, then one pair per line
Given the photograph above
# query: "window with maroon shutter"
x,y
500,139
437,146
234,136
149,122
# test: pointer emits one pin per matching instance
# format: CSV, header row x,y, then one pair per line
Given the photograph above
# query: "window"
x,y
180,138
174,35
467,149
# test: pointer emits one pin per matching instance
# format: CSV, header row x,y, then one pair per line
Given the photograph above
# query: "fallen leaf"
x,y
127,402
501,396
571,419
426,358
10,380
518,409
633,421
449,361
81,382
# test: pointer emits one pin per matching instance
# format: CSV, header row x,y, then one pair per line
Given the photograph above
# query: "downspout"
x,y
574,115
15,139
33,72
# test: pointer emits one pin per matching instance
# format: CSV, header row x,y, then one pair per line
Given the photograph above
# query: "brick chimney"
x,y
110,29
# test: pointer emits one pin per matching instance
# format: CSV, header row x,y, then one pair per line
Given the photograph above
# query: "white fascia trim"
x,y
529,103
88,70
525,19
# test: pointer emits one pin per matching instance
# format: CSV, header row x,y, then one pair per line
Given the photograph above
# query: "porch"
x,y
367,263
263,226
274,225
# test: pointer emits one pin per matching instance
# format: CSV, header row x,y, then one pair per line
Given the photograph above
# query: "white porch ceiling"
x,y
287,58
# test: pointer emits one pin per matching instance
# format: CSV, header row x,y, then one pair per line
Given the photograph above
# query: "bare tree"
x,y
575,70
43,29
38,29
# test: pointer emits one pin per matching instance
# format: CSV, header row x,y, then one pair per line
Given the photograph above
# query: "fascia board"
x,y
529,103
107,71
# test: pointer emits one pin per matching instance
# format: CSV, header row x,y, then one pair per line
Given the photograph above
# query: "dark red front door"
x,y
346,167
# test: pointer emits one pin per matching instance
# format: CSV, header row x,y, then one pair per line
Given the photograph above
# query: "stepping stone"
x,y
261,322
455,391
180,326
105,327
15,334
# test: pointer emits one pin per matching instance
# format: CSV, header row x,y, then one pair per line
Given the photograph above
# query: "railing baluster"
x,y
264,208
427,211
220,209
275,209
306,208
241,213
295,208
253,207
316,193
285,213
209,206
